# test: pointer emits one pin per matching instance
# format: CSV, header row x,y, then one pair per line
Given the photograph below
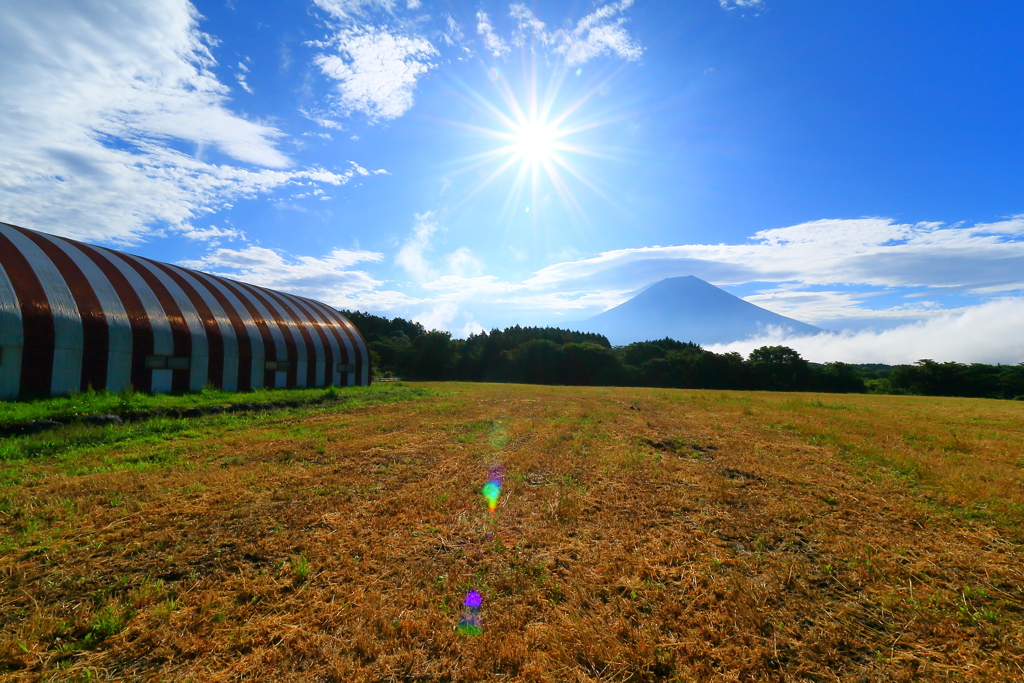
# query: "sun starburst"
x,y
539,139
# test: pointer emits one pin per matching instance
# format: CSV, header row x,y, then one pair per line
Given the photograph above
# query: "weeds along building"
x,y
74,316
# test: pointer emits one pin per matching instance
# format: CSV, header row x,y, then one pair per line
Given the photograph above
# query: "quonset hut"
x,y
74,316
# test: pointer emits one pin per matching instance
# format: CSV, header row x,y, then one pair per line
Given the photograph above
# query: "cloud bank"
x,y
456,291
878,252
992,332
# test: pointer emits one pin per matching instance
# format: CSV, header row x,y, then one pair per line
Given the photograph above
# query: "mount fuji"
x,y
688,309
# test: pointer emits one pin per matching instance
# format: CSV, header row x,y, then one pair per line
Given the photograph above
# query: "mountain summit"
x,y
688,309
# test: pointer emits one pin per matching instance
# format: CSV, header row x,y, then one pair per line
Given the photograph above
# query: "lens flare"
x,y
492,492
469,623
492,489
473,600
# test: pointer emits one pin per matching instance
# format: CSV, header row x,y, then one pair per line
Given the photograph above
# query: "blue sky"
x,y
472,165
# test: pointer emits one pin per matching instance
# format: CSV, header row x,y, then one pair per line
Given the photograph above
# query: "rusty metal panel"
x,y
355,345
119,328
200,350
326,375
163,339
310,349
11,340
283,346
335,338
256,335
225,328
66,372
296,376
349,355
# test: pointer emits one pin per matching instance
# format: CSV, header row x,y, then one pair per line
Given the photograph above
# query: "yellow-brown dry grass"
x,y
641,535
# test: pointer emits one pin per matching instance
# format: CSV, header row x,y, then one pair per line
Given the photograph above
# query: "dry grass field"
x,y
640,535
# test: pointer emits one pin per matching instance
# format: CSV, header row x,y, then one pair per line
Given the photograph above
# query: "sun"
x,y
539,139
535,142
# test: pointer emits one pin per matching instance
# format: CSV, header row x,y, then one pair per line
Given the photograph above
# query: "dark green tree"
x,y
779,368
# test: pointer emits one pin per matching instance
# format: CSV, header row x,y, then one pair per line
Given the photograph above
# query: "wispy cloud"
x,y
527,25
755,6
212,235
493,43
601,32
376,55
412,256
866,251
343,9
115,124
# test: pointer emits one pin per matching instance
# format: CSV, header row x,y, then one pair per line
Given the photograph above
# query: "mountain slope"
x,y
688,309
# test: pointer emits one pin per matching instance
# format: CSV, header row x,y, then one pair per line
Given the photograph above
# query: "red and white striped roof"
x,y
74,316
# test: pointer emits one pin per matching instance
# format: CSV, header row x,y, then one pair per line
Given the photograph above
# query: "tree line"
x,y
549,355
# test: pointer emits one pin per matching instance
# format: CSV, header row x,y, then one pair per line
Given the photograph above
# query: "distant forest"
x,y
549,355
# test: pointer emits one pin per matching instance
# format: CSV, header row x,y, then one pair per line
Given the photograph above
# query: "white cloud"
x,y
245,85
111,110
754,5
439,316
822,271
462,269
376,70
875,252
988,333
527,23
412,256
492,41
453,32
212,234
329,279
599,33
344,9
470,328
463,263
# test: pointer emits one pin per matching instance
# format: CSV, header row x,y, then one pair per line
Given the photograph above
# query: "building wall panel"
x,y
111,314
68,338
36,320
248,334
92,359
140,377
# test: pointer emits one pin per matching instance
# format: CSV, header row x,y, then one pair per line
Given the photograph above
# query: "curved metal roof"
x,y
74,316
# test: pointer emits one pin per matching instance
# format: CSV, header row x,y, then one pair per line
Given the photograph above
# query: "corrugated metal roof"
x,y
74,316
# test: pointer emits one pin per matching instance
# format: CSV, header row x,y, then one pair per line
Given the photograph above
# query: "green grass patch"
x,y
127,402
80,449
